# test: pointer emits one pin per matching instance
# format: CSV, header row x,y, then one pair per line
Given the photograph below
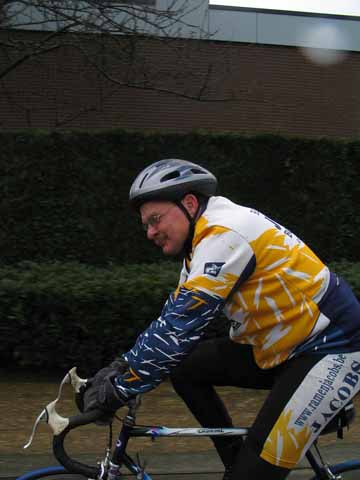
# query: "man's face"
x,y
165,224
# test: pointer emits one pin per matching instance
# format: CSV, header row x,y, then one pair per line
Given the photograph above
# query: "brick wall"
x,y
273,88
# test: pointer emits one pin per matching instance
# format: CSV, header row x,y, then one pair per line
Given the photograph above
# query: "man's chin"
x,y
169,252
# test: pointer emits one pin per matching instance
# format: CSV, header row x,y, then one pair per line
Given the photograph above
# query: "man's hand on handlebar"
x,y
101,393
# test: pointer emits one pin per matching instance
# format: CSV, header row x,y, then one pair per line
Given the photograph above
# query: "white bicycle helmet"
x,y
171,179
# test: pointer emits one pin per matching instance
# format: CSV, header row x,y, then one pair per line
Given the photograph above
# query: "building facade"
x,y
255,72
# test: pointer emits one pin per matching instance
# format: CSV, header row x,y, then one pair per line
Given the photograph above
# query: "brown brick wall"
x,y
275,89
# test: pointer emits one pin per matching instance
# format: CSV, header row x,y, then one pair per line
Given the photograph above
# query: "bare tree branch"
x,y
119,41
45,46
99,17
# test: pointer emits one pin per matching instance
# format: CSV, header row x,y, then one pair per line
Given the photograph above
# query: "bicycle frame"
x,y
110,467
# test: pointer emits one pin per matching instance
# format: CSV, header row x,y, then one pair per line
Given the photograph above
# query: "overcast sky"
x,y
335,7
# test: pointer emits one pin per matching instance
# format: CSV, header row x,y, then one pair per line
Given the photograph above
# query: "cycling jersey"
x,y
278,295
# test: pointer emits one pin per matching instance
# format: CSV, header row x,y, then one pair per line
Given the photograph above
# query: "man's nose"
x,y
151,232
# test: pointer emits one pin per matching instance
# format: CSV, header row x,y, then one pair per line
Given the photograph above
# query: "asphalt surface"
x,y
195,466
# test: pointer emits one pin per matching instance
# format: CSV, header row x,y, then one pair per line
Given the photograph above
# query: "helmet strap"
x,y
187,247
186,213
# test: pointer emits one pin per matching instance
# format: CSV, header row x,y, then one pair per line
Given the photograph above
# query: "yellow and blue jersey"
x,y
277,294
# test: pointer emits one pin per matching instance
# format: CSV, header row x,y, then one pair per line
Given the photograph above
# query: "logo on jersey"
x,y
213,268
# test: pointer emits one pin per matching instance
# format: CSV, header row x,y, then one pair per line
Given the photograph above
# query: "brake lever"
x,y
49,415
76,382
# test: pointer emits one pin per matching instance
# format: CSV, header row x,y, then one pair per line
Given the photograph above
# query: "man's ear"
x,y
191,203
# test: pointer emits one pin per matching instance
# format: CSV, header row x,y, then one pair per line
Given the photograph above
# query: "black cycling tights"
x,y
221,362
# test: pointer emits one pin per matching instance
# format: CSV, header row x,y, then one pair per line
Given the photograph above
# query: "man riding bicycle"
x,y
294,325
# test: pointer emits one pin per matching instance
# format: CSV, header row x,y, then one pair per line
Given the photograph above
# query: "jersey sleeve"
x,y
221,261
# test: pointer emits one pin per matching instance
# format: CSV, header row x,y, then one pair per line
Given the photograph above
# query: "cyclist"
x,y
294,325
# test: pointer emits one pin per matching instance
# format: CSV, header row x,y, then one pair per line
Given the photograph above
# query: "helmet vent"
x,y
170,176
143,180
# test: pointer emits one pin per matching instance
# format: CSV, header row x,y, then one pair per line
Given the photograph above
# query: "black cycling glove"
x,y
101,393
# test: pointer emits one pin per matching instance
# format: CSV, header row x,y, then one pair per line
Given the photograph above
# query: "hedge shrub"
x,y
64,195
59,315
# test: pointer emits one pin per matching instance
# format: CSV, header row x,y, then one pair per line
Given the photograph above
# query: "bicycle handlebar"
x,y
60,453
61,426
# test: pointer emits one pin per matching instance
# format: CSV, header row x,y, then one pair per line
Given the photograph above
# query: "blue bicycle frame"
x,y
113,462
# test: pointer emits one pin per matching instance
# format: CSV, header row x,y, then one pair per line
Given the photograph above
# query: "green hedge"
x,y
64,196
58,315
55,316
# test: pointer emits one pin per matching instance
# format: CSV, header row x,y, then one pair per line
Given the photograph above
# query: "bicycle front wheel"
x,y
347,470
49,473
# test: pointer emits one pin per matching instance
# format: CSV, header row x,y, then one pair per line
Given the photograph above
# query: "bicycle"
x,y
111,467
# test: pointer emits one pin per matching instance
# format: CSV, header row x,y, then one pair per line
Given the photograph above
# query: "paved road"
x,y
22,399
197,466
